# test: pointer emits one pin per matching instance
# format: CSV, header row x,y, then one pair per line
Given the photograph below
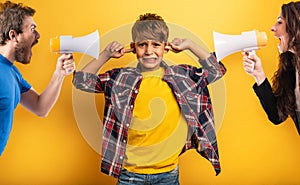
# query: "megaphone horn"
x,y
248,41
88,44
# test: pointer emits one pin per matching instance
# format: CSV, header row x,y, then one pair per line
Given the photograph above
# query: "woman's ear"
x,y
132,46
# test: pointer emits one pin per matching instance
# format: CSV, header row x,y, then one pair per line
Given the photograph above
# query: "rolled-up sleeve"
x,y
214,68
88,82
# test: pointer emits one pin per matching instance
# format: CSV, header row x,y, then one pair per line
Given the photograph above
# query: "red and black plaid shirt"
x,y
121,86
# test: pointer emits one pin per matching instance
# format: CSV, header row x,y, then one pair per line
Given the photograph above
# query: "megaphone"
x,y
248,41
88,44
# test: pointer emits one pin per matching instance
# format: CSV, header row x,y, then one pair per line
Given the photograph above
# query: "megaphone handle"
x,y
67,71
252,52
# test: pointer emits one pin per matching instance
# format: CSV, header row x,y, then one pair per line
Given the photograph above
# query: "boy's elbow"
x,y
223,68
219,75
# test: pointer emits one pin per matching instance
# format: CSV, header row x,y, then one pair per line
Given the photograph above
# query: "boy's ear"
x,y
132,46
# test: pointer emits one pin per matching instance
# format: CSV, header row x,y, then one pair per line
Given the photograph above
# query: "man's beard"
x,y
20,55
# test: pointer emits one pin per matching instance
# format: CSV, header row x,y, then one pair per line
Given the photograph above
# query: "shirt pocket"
x,y
120,97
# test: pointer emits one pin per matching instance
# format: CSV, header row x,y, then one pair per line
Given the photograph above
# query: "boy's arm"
x,y
215,69
95,65
208,61
178,45
87,80
113,50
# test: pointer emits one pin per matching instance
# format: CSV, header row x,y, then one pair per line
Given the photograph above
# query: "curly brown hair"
x,y
284,79
11,18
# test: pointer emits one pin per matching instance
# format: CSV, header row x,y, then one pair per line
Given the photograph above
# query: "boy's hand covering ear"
x,y
132,47
172,47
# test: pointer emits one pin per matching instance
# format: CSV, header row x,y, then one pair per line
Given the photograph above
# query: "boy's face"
x,y
149,54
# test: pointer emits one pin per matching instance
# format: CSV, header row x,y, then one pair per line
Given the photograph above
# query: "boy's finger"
x,y
129,50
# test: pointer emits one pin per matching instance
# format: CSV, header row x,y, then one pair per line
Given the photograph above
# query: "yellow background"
x,y
252,151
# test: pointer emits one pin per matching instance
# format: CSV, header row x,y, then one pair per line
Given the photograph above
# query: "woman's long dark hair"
x,y
284,79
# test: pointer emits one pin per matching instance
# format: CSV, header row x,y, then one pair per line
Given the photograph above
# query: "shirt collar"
x,y
5,60
162,64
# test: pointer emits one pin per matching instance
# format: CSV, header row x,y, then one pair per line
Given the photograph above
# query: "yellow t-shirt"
x,y
158,131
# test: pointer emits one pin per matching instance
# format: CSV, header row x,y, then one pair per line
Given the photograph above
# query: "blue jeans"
x,y
167,178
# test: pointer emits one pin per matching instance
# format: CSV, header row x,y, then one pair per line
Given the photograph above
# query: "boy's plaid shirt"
x,y
121,86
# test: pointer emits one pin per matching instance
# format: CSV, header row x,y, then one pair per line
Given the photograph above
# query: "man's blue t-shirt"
x,y
12,85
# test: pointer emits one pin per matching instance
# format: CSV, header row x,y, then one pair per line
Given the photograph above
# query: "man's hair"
x,y
150,26
11,18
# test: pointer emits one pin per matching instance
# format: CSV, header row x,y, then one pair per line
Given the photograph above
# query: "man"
x,y
18,35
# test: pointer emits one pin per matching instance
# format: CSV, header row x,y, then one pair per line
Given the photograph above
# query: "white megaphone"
x,y
88,44
248,41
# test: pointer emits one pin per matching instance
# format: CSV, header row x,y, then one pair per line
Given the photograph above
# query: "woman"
x,y
283,98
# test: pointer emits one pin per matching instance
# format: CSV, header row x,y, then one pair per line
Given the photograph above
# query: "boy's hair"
x,y
11,18
150,26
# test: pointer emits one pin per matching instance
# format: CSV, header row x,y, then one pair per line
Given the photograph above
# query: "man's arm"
x,y
43,103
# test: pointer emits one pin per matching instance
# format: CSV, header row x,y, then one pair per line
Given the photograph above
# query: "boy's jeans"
x,y
167,178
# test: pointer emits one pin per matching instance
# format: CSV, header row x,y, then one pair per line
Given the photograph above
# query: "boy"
x,y
153,112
